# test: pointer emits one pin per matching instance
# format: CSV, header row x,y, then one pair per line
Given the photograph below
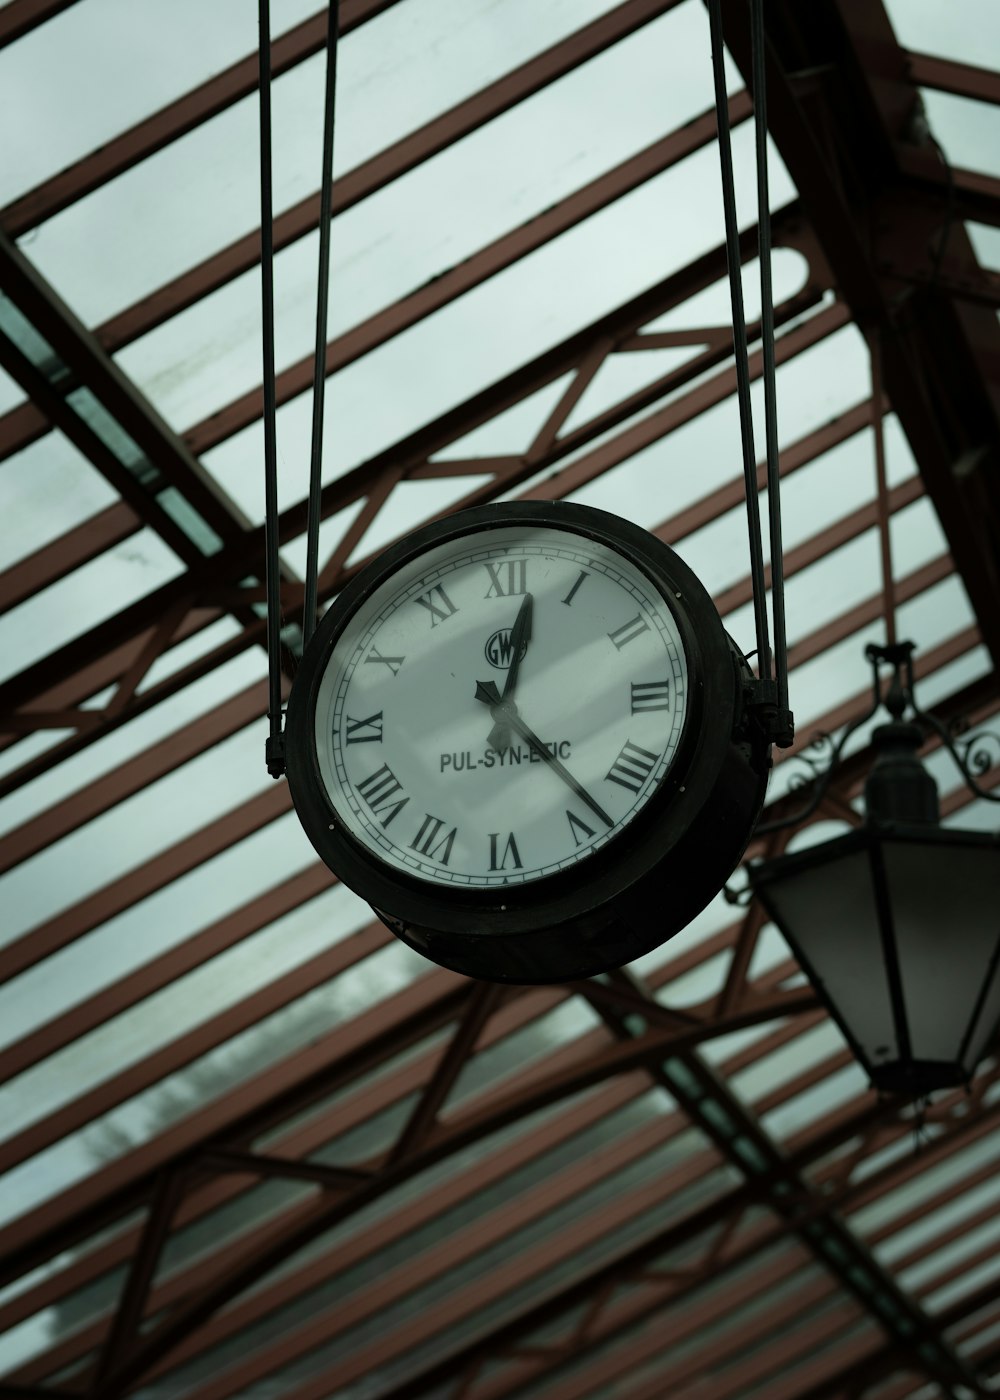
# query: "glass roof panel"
x,y
117,747
769,1073
475,339
209,1078
190,1001
93,64
986,244
11,393
152,925
98,589
968,131
522,1293
162,813
970,34
939,1176
45,490
967,1284
704,453
380,98
949,1256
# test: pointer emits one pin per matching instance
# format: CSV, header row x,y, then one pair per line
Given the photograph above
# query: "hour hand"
x,y
499,735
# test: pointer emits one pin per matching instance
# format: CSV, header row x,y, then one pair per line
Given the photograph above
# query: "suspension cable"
x,y
767,345
773,684
740,344
274,750
309,607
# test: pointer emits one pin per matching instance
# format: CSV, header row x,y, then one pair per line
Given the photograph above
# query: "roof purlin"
x,y
139,142
244,555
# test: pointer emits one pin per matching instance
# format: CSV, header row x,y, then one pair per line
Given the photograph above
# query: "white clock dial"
x,y
457,762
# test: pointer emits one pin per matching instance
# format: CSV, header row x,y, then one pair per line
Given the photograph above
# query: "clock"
x,y
523,736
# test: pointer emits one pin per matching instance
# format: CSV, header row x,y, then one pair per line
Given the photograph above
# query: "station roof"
x,y
250,1143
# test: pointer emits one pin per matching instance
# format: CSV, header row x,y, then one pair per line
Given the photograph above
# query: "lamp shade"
x,y
897,926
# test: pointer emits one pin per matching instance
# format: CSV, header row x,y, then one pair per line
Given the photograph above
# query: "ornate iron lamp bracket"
x,y
972,756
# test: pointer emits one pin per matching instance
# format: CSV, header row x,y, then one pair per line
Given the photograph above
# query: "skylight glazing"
x,y
182,977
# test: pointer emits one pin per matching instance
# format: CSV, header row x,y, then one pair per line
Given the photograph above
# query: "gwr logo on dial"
x,y
499,652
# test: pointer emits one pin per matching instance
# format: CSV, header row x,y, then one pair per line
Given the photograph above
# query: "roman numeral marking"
x,y
507,577
510,849
572,592
650,695
438,604
576,825
375,658
628,631
632,767
427,836
365,731
379,790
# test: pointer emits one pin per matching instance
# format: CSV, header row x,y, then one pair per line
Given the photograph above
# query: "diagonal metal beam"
x,y
171,122
50,678
736,1131
82,363
70,551
388,165
20,17
490,260
839,140
503,1110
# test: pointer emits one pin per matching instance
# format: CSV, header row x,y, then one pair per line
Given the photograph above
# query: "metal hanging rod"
x,y
772,699
274,752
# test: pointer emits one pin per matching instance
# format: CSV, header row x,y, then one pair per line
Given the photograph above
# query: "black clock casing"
x,y
651,878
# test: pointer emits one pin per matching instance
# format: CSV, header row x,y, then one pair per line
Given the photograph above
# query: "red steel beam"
x,y
511,1336
173,121
119,1186
25,424
388,165
19,17
468,274
71,550
948,75
46,682
840,144
170,753
159,870
148,1070
504,1109
308,1138
51,1036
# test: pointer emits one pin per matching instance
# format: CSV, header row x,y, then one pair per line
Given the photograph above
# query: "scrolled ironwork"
x,y
973,756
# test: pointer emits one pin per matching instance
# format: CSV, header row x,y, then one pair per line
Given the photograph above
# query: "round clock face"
x,y
501,707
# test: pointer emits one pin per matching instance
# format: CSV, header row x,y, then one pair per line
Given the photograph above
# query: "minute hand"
x,y
516,722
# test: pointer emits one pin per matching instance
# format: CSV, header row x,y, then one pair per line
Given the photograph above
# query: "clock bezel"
x,y
585,892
